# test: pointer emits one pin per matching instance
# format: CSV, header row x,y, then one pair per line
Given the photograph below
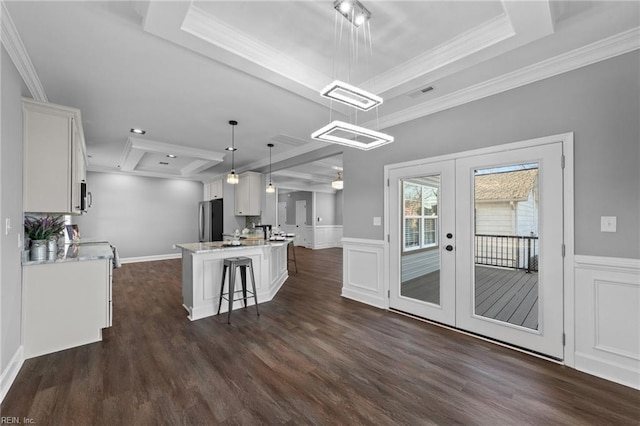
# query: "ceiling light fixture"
x,y
353,10
138,131
232,177
270,188
347,134
340,132
171,156
338,183
351,95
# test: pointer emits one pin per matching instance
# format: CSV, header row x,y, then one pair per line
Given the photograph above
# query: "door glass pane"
x,y
506,206
420,257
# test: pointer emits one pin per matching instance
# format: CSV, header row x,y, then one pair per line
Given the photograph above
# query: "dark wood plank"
x,y
312,357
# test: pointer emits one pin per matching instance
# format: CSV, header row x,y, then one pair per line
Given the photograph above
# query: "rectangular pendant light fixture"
x,y
351,95
345,134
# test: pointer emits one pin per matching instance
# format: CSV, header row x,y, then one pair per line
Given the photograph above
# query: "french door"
x,y
477,244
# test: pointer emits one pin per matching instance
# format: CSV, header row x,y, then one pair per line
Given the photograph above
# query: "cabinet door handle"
x,y
90,195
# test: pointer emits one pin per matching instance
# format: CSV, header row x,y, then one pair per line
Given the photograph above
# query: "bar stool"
x,y
233,263
293,251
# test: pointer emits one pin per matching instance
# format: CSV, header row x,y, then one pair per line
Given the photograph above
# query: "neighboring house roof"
x,y
505,186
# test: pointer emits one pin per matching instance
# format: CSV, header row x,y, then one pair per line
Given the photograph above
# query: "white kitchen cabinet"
x,y
213,190
65,305
249,194
54,158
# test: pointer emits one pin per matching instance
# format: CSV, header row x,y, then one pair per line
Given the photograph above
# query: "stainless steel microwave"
x,y
86,198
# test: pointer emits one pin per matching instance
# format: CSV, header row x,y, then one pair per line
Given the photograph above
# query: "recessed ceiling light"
x,y
138,131
230,148
171,156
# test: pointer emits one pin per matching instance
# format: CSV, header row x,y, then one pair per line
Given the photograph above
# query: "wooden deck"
x,y
507,295
503,294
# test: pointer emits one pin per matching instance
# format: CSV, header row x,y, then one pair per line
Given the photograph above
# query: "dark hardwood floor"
x,y
311,357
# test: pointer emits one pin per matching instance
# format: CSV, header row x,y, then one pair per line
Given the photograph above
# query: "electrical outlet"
x,y
377,221
608,223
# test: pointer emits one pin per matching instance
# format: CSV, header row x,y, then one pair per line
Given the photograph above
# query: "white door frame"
x,y
568,217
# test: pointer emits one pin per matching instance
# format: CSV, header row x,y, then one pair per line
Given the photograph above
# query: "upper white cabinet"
x,y
54,158
249,194
213,190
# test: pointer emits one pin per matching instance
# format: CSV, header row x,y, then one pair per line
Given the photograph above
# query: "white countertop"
x,y
226,245
76,252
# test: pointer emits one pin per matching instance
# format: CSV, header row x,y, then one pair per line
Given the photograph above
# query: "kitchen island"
x,y
202,273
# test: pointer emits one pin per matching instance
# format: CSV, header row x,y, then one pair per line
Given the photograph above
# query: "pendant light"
x,y
338,131
232,177
270,188
337,183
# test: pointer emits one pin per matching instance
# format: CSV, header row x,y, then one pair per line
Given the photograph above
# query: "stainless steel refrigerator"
x,y
210,221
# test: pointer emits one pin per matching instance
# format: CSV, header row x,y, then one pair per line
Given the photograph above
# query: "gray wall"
x,y
13,88
339,207
291,199
600,103
141,216
325,208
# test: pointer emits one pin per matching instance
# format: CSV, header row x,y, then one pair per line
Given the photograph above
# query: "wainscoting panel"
x,y
607,326
327,236
363,276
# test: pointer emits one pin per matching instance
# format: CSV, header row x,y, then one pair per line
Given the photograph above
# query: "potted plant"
x,y
40,230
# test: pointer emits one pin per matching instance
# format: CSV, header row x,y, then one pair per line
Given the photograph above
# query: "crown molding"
x,y
601,50
19,55
475,40
206,27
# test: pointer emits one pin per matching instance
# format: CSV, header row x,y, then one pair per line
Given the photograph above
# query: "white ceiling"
x,y
182,70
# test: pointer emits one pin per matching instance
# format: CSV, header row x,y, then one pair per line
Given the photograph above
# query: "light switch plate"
x,y
7,226
377,221
608,224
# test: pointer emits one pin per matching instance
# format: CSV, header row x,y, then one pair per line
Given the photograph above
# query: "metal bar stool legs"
x,y
233,263
293,250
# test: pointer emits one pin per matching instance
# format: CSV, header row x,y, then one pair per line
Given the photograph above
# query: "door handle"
x,y
449,248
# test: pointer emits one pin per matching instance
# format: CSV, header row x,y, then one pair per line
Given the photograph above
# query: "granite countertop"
x,y
226,245
75,252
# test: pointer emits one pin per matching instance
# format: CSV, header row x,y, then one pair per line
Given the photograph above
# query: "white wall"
x,y
141,216
13,88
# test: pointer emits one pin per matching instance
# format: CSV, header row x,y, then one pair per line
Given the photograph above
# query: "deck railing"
x,y
508,251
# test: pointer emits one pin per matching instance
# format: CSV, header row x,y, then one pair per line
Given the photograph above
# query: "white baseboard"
x,y
365,298
336,244
11,372
151,258
608,370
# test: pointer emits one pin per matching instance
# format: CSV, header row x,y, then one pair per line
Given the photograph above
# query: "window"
x,y
420,216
